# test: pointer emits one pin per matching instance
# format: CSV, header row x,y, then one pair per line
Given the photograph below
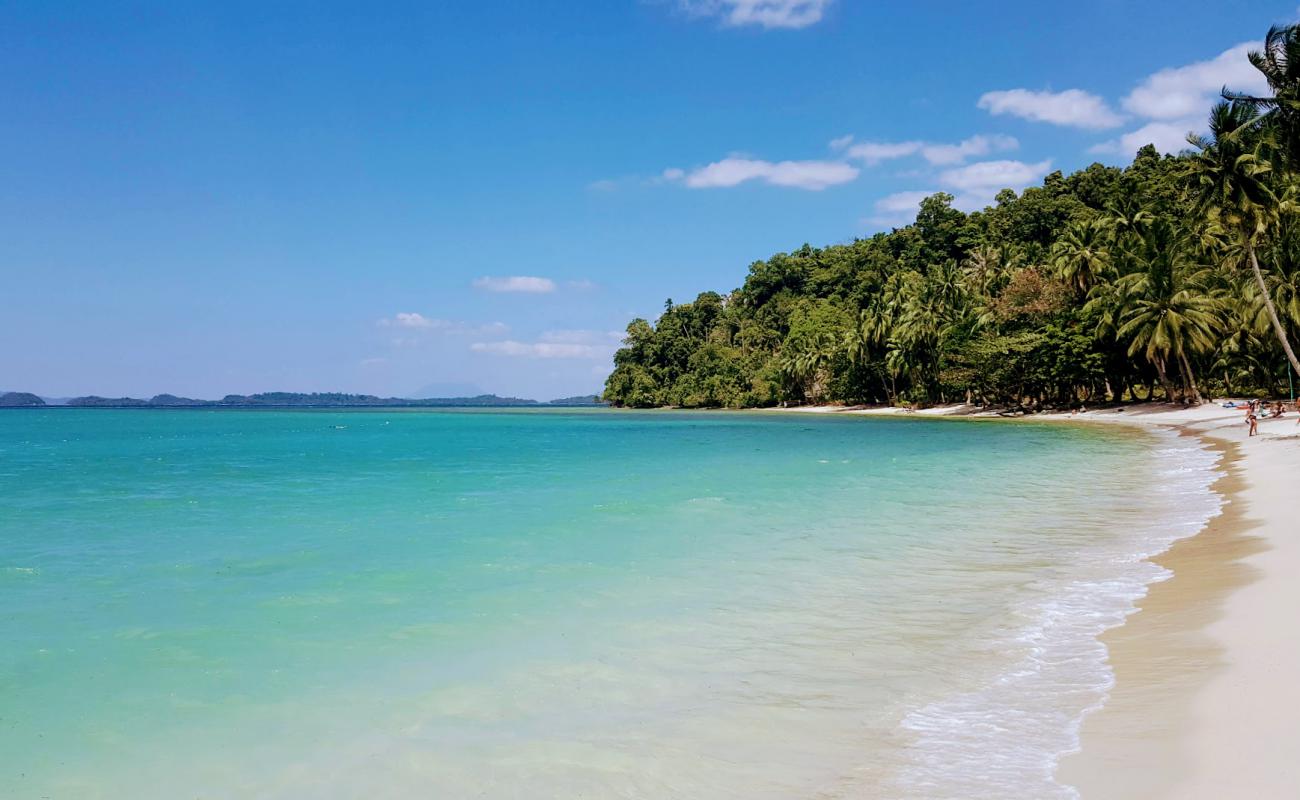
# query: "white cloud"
x,y
767,14
1073,107
897,209
974,186
939,154
570,350
581,337
944,154
1187,91
994,175
1167,137
872,153
516,283
1177,100
410,320
841,142
734,170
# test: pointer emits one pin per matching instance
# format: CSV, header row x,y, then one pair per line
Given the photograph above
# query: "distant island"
x,y
293,400
20,400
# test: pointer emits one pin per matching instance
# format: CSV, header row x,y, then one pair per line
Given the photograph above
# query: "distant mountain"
x,y
19,400
94,401
297,400
339,400
579,400
173,400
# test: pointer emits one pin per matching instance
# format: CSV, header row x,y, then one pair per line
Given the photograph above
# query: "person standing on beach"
x,y
1252,420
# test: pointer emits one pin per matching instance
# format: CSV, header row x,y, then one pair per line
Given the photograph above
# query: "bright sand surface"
x,y
1207,671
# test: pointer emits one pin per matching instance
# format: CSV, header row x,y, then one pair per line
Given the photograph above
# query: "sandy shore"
x,y
1208,669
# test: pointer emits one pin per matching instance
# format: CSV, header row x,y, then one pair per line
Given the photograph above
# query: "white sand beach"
x,y
1208,668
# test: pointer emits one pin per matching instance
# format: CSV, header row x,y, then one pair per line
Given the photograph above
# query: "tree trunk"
x,y
1191,379
1164,381
1272,311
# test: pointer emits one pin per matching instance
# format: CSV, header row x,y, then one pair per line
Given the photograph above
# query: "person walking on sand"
x,y
1252,420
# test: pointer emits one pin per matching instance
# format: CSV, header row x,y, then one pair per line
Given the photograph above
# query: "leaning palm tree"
x,y
1283,254
1229,182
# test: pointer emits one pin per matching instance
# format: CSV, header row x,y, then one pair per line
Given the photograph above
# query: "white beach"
x,y
1207,667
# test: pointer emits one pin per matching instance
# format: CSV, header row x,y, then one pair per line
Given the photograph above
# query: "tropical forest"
x,y
1176,278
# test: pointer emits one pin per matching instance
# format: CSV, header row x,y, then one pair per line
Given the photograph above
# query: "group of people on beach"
x,y
1256,409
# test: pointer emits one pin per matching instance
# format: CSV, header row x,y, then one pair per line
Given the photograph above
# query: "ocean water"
x,y
555,604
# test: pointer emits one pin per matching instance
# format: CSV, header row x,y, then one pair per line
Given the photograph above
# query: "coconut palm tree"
x,y
809,366
1279,63
1228,178
1128,215
983,267
1172,325
1166,315
1080,256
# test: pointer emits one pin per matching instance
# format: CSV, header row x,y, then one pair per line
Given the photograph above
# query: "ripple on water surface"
x,y
592,604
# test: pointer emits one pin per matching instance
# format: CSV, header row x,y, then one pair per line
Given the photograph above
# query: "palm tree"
x,y
1128,215
983,266
1080,255
1238,350
1279,62
1172,326
1229,181
1284,255
809,365
1164,314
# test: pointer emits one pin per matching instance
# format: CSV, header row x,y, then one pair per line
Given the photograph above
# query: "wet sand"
x,y
1208,670
1206,702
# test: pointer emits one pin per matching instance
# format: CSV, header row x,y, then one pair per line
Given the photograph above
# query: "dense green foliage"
x,y
1172,277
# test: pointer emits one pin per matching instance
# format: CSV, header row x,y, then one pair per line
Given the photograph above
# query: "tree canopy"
x,y
1175,277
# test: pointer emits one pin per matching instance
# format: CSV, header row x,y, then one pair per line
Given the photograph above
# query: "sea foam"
x,y
1005,738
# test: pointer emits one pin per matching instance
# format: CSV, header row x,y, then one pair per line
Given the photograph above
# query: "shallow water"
x,y
249,604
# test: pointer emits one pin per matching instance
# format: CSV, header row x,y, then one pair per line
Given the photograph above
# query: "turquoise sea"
x,y
564,604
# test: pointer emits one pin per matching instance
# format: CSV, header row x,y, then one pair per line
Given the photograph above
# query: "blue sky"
x,y
205,198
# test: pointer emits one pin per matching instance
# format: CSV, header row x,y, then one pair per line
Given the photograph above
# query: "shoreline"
x,y
1207,658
